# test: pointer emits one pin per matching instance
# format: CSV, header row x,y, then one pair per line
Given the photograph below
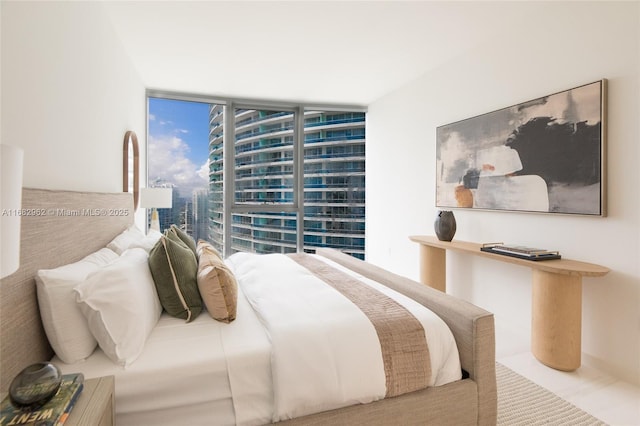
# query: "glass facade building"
x,y
263,156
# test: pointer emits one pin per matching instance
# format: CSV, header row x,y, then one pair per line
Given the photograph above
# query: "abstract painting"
x,y
544,155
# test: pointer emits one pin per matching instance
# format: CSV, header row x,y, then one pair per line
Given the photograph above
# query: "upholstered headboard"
x,y
58,227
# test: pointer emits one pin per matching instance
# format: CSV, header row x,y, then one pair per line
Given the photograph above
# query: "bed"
x,y
71,236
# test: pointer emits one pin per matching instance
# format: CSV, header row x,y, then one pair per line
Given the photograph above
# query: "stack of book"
x,y
53,413
520,252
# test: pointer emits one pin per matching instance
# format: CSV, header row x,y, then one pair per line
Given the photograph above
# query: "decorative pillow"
x,y
63,322
121,305
202,244
174,268
134,237
186,238
218,287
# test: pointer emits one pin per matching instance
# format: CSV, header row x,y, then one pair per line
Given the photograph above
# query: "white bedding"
x,y
181,377
207,372
313,325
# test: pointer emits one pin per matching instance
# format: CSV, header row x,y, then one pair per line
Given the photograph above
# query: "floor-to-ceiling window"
x,y
265,204
279,179
178,158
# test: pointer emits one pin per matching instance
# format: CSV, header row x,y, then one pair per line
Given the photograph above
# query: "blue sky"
x,y
178,143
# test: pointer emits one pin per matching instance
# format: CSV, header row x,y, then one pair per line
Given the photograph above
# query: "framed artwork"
x,y
545,155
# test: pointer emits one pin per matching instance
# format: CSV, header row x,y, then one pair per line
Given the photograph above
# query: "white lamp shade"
x,y
10,203
160,198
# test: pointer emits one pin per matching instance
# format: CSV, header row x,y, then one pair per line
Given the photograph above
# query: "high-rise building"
x,y
334,180
200,214
185,218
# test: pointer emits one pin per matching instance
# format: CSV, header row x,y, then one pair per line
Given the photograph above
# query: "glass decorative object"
x,y
35,386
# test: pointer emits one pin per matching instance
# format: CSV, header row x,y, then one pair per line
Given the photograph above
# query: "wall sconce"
x,y
156,198
11,159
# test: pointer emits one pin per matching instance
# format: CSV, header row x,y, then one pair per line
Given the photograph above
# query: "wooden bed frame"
x,y
65,226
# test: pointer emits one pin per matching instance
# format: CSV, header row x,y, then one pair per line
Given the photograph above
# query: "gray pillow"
x,y
174,269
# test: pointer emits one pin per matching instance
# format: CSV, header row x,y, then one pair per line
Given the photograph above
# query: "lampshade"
x,y
155,198
160,198
10,203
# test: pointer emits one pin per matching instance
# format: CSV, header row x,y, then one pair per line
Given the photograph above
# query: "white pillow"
x,y
133,237
149,240
121,305
64,324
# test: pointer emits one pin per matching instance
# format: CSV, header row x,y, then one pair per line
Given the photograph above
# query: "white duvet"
x,y
325,351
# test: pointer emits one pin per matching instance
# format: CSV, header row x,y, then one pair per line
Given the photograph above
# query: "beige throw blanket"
x,y
402,338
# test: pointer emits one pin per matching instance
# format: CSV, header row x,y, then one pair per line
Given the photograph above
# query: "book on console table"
x,y
54,413
521,252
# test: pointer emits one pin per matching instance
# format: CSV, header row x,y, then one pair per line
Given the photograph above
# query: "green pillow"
x,y
174,269
186,238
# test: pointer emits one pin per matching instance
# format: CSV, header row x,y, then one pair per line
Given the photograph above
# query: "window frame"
x,y
230,206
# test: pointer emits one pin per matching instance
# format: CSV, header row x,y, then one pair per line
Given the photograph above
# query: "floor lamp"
x,y
155,198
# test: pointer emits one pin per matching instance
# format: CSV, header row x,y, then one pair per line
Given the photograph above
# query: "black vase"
x,y
445,225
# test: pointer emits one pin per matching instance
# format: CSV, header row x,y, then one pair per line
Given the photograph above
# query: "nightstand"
x,y
95,406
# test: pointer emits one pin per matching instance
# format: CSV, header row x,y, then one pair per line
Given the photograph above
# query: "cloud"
x,y
168,162
152,117
203,171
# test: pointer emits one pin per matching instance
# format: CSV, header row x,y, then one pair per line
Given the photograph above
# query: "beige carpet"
x,y
522,402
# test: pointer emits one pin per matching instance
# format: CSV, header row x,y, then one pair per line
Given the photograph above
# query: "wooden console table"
x,y
556,306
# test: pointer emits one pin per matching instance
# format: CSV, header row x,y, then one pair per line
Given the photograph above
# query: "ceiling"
x,y
332,52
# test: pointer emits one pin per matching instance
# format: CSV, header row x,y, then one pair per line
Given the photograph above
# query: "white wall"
x,y
559,46
69,93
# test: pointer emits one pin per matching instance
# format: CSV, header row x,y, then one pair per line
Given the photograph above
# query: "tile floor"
x,y
611,400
